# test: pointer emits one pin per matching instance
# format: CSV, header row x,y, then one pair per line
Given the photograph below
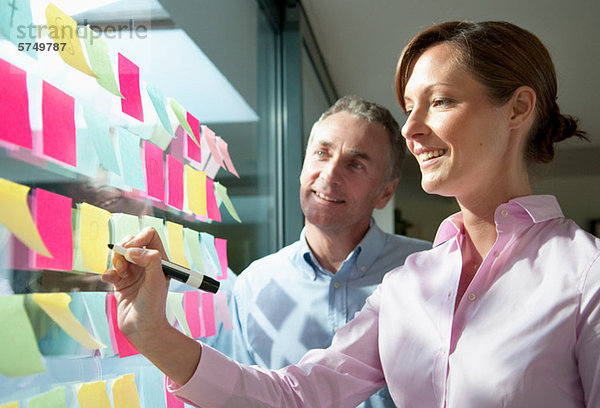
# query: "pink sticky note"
x,y
191,307
223,309
129,83
224,151
208,314
14,106
123,345
221,247
174,183
109,318
58,115
212,209
192,150
154,166
170,400
211,140
53,221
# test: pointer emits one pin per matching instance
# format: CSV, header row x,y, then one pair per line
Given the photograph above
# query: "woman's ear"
x,y
522,107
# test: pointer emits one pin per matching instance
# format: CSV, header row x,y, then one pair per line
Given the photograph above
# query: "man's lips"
x,y
327,198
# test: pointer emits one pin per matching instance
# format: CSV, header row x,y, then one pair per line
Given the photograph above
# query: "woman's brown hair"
x,y
503,57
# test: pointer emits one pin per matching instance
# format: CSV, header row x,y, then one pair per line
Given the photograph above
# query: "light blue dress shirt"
x,y
286,304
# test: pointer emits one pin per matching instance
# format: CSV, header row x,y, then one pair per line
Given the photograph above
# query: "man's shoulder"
x,y
395,241
282,260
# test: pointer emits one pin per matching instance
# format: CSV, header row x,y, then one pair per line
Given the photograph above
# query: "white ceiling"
x,y
361,41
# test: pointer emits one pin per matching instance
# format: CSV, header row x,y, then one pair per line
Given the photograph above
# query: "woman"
x,y
503,311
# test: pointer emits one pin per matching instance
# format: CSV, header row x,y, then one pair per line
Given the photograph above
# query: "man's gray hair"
x,y
373,113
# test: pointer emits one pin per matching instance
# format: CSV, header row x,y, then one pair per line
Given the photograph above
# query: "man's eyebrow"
x,y
360,155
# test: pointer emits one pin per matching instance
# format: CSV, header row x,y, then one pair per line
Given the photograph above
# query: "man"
x,y
295,300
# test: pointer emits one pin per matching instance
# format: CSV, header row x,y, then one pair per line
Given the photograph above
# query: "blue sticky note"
x,y
207,241
87,160
158,99
16,24
96,310
99,132
131,162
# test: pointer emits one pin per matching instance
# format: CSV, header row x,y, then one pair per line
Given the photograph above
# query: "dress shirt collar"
x,y
366,252
537,208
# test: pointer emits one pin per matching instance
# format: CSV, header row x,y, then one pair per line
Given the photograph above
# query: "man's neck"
x,y
331,248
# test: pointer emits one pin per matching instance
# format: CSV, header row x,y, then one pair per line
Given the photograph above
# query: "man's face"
x,y
342,178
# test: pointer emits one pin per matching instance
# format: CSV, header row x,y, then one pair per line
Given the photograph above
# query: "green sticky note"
x,y
97,51
19,352
193,250
158,101
159,225
122,225
175,302
17,25
222,194
50,399
181,115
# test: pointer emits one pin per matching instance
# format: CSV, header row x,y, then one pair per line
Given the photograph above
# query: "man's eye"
x,y
320,153
357,165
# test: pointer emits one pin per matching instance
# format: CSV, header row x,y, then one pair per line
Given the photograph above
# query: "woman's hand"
x,y
140,288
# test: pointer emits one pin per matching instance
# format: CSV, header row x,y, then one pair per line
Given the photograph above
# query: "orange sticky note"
x,y
15,215
129,82
63,29
93,395
56,305
195,183
95,236
14,106
125,393
53,221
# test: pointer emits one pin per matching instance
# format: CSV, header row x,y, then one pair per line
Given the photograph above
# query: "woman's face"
x,y
460,139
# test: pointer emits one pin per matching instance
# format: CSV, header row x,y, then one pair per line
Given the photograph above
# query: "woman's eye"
x,y
441,102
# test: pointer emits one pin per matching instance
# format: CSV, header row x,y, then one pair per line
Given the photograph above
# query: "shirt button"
x,y
504,213
363,268
472,296
336,285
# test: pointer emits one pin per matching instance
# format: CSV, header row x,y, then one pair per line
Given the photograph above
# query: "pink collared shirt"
x,y
525,334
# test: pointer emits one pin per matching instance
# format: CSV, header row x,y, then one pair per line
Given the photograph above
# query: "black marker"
x,y
178,272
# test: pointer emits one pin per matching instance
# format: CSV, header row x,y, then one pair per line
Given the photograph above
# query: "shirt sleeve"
x,y
343,375
588,341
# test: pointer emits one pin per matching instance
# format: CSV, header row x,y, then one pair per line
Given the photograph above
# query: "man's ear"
x,y
522,106
387,192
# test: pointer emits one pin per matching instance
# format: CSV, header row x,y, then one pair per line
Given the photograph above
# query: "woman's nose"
x,y
415,125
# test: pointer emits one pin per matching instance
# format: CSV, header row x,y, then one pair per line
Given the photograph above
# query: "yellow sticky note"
x,y
125,393
56,305
175,238
15,215
10,405
195,187
95,236
93,395
63,30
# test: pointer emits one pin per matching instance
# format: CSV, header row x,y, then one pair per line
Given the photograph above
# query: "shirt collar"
x,y
365,253
537,208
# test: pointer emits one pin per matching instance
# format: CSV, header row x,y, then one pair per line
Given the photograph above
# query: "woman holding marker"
x,y
503,311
